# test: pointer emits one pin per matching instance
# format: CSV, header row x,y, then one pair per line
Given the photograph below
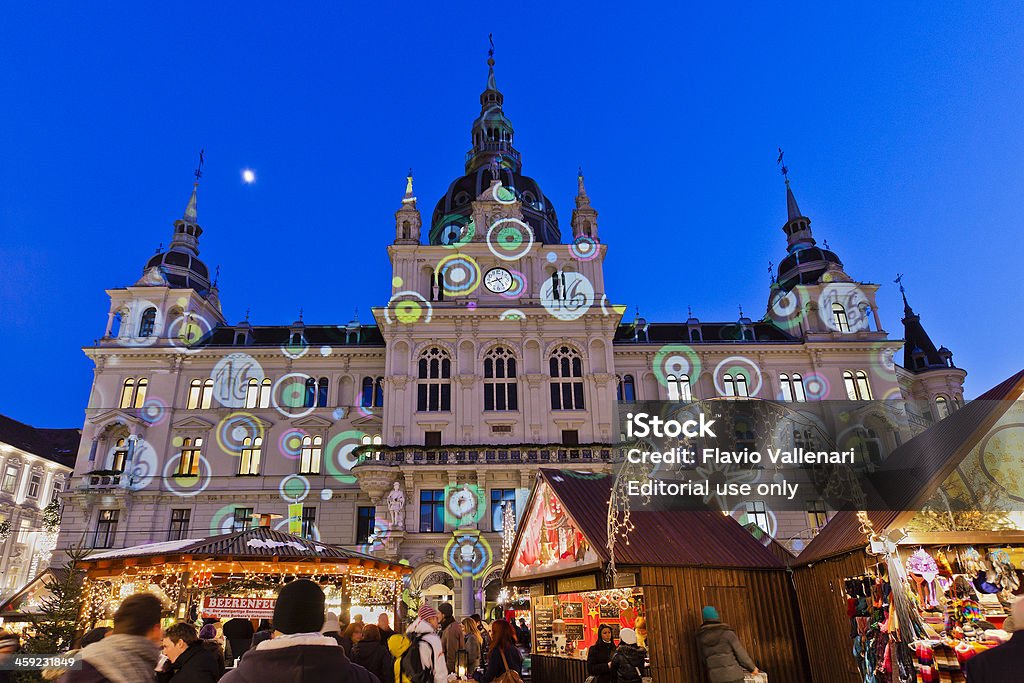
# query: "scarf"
x,y
121,658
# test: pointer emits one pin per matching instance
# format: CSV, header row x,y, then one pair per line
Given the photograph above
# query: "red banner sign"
x,y
241,608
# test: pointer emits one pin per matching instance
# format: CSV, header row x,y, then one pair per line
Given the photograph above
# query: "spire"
x,y
792,210
491,84
492,131
584,216
407,219
409,198
190,208
919,352
581,190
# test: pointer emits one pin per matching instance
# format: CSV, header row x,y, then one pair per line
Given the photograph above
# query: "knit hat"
x,y
299,608
331,624
208,632
628,636
709,613
427,612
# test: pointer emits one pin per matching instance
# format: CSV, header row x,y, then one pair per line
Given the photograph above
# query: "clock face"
x,y
498,280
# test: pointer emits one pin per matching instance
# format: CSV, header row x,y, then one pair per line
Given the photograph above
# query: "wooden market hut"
x,y
909,477
253,559
682,560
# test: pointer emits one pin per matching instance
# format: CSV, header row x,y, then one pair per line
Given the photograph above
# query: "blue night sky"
x,y
901,125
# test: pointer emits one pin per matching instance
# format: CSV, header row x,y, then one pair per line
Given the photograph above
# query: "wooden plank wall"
x,y
760,605
822,598
560,669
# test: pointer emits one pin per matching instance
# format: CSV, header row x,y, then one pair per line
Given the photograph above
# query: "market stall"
x,y
237,575
916,591
673,564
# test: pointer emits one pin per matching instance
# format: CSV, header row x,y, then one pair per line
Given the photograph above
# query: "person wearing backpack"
x,y
505,662
629,659
418,654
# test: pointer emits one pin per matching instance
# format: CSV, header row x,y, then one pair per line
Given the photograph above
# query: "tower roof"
x,y
919,352
180,264
806,262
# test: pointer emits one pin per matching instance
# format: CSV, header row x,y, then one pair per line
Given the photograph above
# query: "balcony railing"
x,y
503,147
102,480
497,456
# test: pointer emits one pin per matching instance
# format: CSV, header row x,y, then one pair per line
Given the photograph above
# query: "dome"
x,y
806,266
456,204
182,270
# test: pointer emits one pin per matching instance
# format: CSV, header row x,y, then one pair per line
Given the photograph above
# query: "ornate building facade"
x,y
499,350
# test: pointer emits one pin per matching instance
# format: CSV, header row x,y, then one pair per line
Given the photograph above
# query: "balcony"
x,y
505,148
101,479
490,456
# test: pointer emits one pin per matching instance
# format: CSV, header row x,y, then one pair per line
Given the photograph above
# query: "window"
x,y
500,388
147,323
679,388
316,393
431,510
372,395
941,407
257,393
106,529
434,392
10,479
857,387
570,437
24,529
500,498
308,522
120,455
366,520
432,439
627,389
312,450
179,524
817,514
735,385
566,368
369,440
200,394
58,486
792,387
133,393
322,387
140,393
33,485
757,514
243,516
870,446
252,452
127,392
839,320
191,452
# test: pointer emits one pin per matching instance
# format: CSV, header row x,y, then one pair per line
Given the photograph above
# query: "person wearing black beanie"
x,y
298,651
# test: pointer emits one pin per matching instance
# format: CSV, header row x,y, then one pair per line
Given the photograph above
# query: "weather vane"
x,y
782,164
899,281
771,270
199,168
490,37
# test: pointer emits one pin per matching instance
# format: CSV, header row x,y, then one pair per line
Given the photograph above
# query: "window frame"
x,y
106,523
366,516
501,380
565,371
180,521
238,525
431,511
434,381
250,457
499,496
192,453
311,454
840,321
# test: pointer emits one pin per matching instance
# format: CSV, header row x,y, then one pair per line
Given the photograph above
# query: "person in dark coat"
x,y
238,633
1003,663
629,658
725,659
524,635
188,659
373,655
131,651
264,632
298,653
503,642
599,656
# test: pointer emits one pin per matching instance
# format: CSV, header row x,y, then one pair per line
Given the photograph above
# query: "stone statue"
x,y
396,506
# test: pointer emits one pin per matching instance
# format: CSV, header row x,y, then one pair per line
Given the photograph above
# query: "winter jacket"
x,y
431,652
373,655
298,658
453,639
496,667
599,655
118,658
195,665
238,633
260,636
1001,664
724,658
629,661
472,647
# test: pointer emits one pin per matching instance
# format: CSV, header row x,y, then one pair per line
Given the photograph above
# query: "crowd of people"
x,y
303,642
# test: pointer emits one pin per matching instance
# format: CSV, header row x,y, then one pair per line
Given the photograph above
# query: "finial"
x,y
490,53
247,315
899,281
579,171
825,243
199,168
689,311
300,315
779,162
771,270
355,314
216,275
160,248
408,198
741,310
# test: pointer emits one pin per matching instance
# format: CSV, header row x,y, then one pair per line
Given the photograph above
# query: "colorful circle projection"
x,y
460,274
288,395
339,458
408,307
235,429
468,553
510,239
571,299
463,505
676,360
231,376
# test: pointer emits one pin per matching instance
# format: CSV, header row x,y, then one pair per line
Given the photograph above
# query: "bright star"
x,y
248,176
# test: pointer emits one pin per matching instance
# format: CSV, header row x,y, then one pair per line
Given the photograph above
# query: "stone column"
x,y
468,605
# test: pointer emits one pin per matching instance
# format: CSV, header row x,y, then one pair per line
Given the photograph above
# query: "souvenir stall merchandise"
x,y
919,615
567,624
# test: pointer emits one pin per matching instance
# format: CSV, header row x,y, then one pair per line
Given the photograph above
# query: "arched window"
x,y
627,389
792,387
120,455
127,391
566,369
735,385
252,451
191,452
870,446
148,322
839,320
863,388
500,386
322,387
857,386
309,399
434,390
941,407
695,336
252,392
375,440
195,390
140,392
312,450
679,388
372,394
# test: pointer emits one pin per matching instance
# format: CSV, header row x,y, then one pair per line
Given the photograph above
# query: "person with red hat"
x,y
422,639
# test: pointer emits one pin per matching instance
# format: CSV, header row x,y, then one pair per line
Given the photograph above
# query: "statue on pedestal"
x,y
396,506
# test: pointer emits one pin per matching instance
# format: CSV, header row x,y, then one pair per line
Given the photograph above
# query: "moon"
x,y
248,176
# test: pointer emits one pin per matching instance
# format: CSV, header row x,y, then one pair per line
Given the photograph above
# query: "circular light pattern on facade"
x,y
154,411
518,287
144,466
457,230
510,239
408,307
187,486
575,296
460,274
738,365
339,458
584,248
854,302
675,360
234,429
551,257
463,505
290,443
326,494
468,553
186,331
288,395
223,520
786,309
294,488
296,347
503,195
512,314
816,386
231,375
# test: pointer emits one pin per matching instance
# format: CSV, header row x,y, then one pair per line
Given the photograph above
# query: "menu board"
x,y
575,632
543,616
572,610
609,611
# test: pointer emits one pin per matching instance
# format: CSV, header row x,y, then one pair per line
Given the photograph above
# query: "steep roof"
x,y
711,333
912,473
58,445
918,344
680,538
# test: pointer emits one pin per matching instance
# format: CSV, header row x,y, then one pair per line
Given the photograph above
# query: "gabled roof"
x,y
58,445
914,471
680,538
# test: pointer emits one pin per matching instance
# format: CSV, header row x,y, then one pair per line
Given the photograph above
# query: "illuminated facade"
x,y
498,352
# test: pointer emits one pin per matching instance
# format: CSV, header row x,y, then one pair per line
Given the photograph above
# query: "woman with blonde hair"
x,y
474,643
